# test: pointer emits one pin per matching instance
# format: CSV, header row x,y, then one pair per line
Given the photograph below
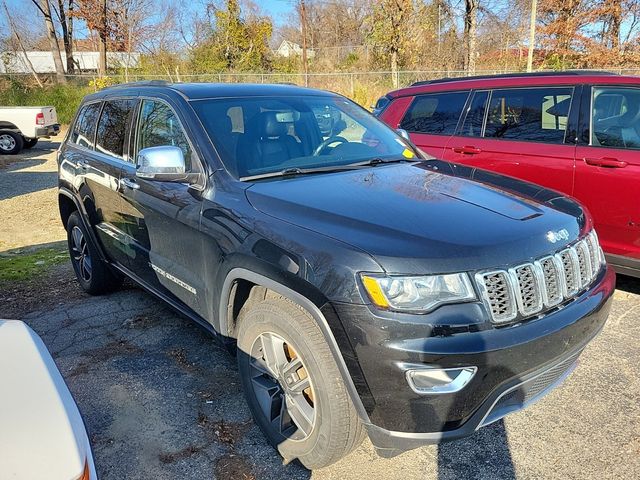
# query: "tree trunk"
x,y
470,27
67,35
102,37
615,23
53,41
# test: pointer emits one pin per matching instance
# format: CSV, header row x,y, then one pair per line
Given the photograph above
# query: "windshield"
x,y
257,136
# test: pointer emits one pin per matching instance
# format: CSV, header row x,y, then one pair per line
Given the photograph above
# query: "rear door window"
x,y
615,117
85,126
113,127
435,114
529,114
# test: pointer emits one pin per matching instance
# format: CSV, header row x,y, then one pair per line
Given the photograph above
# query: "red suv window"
x,y
435,114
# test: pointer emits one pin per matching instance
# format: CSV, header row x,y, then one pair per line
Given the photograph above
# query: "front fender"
x,y
326,319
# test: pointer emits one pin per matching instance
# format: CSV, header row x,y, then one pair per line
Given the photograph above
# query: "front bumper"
x,y
516,364
48,131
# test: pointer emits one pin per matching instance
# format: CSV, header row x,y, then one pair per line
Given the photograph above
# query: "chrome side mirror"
x,y
403,133
165,164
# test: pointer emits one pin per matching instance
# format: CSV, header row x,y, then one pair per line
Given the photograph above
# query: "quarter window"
x,y
85,126
159,126
615,117
529,114
113,127
435,114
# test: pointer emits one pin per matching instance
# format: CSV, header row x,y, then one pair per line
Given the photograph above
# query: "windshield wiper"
x,y
295,171
380,161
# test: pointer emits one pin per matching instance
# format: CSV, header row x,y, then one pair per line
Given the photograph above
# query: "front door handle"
x,y
467,150
607,162
129,183
82,164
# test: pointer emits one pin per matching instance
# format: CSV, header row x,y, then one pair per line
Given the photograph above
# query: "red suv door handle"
x,y
467,150
606,162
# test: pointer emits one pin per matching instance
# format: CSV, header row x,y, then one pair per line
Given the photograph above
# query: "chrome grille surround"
x,y
528,289
498,295
553,291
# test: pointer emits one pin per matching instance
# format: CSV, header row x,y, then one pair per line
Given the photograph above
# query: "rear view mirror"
x,y
165,164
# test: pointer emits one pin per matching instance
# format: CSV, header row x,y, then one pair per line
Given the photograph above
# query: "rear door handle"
x,y
82,163
467,150
606,162
129,183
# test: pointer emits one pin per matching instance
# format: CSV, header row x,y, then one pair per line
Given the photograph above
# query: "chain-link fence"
x,y
363,87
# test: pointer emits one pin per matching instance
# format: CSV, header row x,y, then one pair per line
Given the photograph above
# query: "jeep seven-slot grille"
x,y
528,289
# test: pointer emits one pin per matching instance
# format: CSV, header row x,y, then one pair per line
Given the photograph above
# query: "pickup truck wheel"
x,y
293,386
30,142
10,143
94,275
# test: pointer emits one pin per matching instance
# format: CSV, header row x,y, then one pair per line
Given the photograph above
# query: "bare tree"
x,y
14,30
65,18
45,9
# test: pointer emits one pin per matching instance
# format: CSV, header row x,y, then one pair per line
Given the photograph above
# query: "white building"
x,y
15,62
290,49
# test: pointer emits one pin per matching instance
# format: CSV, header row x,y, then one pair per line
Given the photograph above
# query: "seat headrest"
x,y
270,126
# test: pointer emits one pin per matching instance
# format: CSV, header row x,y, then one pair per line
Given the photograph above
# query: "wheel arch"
x,y
242,285
4,125
66,206
69,203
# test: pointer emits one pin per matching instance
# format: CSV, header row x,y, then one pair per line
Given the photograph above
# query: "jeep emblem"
x,y
554,237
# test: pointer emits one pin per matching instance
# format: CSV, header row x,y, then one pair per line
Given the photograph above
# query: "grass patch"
x,y
17,267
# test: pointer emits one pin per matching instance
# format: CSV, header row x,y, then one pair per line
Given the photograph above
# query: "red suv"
x,y
575,132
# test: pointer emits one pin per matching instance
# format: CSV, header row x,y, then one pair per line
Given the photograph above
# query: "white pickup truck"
x,y
20,127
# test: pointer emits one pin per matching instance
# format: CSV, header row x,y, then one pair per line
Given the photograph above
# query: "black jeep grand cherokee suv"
x,y
367,288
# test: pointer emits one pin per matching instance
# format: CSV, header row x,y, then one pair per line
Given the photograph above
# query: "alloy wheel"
x,y
7,142
282,386
80,253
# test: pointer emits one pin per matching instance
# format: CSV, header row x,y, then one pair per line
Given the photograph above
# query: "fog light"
x,y
436,381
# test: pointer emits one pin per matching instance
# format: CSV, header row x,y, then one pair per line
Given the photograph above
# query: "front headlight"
x,y
417,293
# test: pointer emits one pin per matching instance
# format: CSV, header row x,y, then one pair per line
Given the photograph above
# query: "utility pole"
x,y
532,34
303,21
439,30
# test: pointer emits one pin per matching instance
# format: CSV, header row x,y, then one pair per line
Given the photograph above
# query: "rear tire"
x,y
93,274
11,143
30,142
283,328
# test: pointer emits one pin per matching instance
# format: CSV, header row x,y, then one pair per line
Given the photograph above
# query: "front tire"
x,y
11,143
94,275
293,385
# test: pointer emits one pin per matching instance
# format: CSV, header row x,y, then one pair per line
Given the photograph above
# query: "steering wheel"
x,y
332,139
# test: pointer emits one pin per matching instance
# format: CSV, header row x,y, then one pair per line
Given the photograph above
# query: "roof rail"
x,y
143,83
511,75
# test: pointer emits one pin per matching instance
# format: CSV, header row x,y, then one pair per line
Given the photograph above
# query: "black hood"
x,y
426,217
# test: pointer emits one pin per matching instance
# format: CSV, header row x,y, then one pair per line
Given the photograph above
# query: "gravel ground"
x,y
28,197
161,399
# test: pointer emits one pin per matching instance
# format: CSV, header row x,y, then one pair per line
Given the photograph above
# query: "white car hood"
x,y
42,434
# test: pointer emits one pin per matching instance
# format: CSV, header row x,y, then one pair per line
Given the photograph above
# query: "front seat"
x,y
267,144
